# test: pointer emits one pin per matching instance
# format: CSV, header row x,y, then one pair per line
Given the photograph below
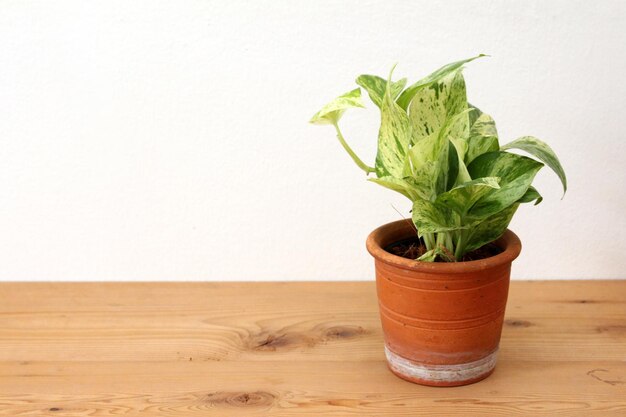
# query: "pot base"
x,y
441,375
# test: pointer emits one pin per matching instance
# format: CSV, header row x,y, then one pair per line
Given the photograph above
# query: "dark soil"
x,y
413,248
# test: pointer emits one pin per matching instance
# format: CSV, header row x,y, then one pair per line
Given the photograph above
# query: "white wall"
x,y
169,139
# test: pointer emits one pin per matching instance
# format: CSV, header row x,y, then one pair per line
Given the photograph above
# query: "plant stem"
x,y
354,157
460,245
448,242
429,240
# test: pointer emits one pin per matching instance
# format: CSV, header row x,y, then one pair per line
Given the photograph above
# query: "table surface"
x,y
291,349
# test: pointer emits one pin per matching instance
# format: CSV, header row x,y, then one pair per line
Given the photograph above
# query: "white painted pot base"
x,y
455,374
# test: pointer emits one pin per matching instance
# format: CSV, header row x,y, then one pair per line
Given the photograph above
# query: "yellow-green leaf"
x,y
375,87
332,112
399,185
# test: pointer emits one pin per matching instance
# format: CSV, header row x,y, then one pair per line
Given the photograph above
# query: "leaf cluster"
x,y
444,154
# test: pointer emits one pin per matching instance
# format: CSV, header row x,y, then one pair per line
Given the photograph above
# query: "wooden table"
x,y
291,349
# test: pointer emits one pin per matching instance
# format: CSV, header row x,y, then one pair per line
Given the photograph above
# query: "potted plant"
x,y
442,279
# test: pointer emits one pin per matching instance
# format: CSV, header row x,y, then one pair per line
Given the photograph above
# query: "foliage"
x,y
444,155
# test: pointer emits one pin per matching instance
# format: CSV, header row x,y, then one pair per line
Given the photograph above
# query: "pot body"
x,y
441,321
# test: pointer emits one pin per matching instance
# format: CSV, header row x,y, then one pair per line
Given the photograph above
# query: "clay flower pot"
x,y
441,321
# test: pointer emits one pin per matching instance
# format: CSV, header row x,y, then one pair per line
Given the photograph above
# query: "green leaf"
x,y
434,105
375,87
483,136
399,185
531,195
462,198
490,229
543,152
407,95
332,112
394,137
429,217
516,174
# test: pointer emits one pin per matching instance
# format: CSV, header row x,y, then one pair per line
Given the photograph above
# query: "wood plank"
x,y
221,388
283,349
210,322
250,337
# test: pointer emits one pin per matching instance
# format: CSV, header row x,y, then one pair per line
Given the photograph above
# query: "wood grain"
x,y
290,349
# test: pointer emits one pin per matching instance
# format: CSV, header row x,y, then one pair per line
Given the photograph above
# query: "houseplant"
x,y
442,311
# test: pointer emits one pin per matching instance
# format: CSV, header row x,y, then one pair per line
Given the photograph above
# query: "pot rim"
x,y
375,243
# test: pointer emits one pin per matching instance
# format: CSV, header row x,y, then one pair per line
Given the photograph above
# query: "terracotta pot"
x,y
441,321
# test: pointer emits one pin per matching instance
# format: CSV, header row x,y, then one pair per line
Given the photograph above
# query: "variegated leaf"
x,y
483,136
394,138
430,162
456,130
462,198
490,229
434,105
398,185
407,95
543,152
332,112
463,175
454,165
375,87
516,174
457,135
429,217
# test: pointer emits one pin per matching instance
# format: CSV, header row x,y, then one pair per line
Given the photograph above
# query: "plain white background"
x,y
168,140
